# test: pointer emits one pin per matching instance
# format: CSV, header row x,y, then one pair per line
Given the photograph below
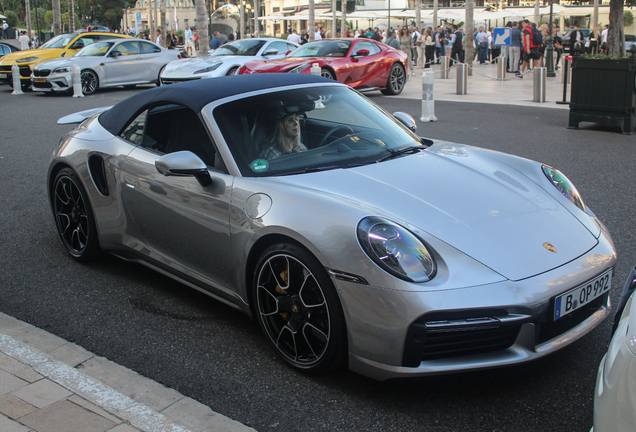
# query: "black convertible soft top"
x,y
197,94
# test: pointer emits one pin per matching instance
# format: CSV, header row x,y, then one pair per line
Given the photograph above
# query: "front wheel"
x,y
232,71
74,216
90,82
298,309
324,72
397,80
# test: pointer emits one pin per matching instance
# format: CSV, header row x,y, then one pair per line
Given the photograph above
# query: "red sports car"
x,y
363,64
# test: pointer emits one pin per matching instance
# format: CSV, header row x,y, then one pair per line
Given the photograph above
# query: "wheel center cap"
x,y
297,307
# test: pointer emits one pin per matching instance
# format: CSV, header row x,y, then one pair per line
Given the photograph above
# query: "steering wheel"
x,y
333,130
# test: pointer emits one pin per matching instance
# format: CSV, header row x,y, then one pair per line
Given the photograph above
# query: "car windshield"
x,y
310,129
95,50
245,47
60,41
326,48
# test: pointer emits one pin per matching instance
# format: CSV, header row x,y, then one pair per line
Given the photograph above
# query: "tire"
x,y
90,82
159,83
232,71
397,80
324,72
74,217
298,309
130,87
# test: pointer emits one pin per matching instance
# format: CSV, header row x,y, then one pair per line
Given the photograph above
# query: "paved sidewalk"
x,y
50,385
482,88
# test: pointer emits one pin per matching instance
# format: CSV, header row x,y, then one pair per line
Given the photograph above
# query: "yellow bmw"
x,y
64,45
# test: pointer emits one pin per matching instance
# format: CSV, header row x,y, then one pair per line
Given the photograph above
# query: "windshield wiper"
x,y
400,152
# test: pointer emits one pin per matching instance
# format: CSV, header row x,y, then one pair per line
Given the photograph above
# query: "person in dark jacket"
x,y
392,41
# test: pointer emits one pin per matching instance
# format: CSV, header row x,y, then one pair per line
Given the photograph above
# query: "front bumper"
x,y
44,80
6,76
167,80
504,323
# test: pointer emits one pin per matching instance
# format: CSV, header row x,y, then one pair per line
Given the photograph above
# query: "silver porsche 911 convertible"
x,y
350,239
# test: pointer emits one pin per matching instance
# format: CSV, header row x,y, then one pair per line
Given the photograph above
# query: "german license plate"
x,y
4,76
42,80
582,294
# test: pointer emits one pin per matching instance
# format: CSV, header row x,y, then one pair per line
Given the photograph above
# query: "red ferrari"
x,y
363,64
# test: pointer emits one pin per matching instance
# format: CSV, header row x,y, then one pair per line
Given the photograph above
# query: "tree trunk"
x,y
469,28
343,20
242,19
71,15
57,19
311,24
27,17
164,32
435,8
418,15
151,20
595,15
537,17
202,26
334,20
616,33
257,11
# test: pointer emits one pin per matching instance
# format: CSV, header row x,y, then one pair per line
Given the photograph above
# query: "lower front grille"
x,y
167,81
41,72
442,345
47,85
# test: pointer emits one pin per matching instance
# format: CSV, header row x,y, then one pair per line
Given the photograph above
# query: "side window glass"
x,y
135,130
290,47
371,47
89,40
280,46
149,48
128,48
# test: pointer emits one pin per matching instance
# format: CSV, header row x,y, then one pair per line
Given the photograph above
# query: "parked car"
x,y
115,62
629,41
64,45
615,395
6,48
298,201
363,64
226,59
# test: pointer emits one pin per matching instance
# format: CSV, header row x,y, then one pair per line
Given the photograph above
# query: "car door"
x,y
363,68
154,59
182,225
123,64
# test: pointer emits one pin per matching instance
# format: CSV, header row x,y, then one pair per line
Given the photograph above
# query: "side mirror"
x,y
362,53
114,53
78,45
287,52
406,120
184,164
271,51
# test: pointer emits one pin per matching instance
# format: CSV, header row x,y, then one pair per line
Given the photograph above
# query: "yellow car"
x,y
64,45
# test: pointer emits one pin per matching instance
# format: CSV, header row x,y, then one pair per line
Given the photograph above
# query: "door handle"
x,y
130,182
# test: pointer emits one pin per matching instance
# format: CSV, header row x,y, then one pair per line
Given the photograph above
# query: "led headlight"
x,y
564,185
63,69
26,59
215,66
396,250
300,68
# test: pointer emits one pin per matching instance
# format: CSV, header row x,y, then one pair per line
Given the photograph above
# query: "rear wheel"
x,y
74,216
89,81
232,71
159,83
397,80
324,72
298,309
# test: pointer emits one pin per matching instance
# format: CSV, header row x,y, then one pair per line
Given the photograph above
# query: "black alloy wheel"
x,y
397,80
74,217
89,81
232,71
299,310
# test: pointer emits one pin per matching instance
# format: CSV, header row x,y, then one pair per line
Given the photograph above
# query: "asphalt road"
x,y
208,351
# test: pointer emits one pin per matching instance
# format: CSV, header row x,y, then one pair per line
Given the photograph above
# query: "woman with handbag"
x,y
406,43
419,45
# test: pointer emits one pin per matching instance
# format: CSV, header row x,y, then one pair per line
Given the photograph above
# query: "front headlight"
x,y
396,250
215,66
564,185
300,68
63,69
26,59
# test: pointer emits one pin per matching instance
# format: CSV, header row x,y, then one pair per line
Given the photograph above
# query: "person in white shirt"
x,y
293,37
189,45
158,41
604,33
24,40
317,35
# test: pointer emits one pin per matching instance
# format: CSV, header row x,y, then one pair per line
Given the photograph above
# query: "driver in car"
x,y
286,139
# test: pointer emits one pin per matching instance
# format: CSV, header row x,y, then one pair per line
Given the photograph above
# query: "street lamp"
x,y
549,50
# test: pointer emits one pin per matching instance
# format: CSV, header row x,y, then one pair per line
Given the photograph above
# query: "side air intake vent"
x,y
98,173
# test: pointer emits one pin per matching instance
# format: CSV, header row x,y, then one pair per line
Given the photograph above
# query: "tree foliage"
x,y
628,18
12,18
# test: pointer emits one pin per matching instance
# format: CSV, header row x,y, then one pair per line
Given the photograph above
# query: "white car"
x,y
226,60
113,62
615,395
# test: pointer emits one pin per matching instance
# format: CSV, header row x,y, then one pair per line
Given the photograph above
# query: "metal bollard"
x,y
445,67
77,81
462,78
501,68
540,81
565,80
17,85
566,69
428,103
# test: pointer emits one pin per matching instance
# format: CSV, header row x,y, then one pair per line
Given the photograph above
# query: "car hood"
x,y
190,65
286,64
41,54
468,199
56,63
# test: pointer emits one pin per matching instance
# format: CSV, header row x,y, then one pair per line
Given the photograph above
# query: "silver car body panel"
x,y
488,256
